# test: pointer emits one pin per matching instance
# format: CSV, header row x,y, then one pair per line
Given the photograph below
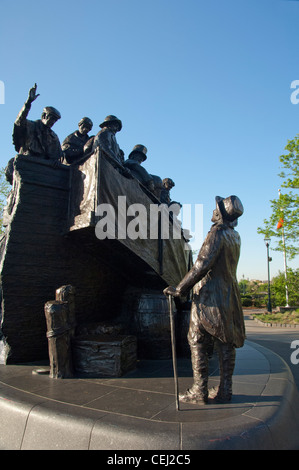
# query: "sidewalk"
x,y
276,338
138,411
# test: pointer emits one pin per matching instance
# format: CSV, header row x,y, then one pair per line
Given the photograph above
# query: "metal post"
x,y
269,306
285,268
284,258
173,346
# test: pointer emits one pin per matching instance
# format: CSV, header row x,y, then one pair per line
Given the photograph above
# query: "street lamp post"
x,y
267,243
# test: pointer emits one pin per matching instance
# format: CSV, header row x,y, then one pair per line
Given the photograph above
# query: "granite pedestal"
x,y
137,411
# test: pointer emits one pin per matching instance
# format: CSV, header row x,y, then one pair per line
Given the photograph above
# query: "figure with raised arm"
x,y
36,138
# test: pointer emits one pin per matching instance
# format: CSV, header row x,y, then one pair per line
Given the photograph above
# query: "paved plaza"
x,y
138,411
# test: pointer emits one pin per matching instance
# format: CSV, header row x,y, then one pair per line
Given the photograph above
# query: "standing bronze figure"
x,y
36,138
216,312
106,140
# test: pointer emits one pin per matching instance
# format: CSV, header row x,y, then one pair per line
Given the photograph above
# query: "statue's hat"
x,y
109,119
230,207
51,110
169,180
87,121
141,149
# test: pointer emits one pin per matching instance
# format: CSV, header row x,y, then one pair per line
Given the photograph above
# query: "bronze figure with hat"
x,y
110,121
216,313
36,138
106,141
73,144
133,163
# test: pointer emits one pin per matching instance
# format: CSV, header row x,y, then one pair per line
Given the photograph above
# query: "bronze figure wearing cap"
x,y
73,144
36,138
106,140
133,163
216,312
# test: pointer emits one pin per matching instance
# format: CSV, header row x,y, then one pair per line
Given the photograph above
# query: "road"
x,y
277,339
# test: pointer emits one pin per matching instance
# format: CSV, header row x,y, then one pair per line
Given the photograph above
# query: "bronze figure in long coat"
x,y
216,297
216,312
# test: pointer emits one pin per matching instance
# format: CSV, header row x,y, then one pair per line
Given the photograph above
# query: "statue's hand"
x,y
32,94
151,186
126,172
171,291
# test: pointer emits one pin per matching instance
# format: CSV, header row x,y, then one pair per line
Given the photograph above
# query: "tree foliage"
x,y
286,206
255,293
279,291
290,163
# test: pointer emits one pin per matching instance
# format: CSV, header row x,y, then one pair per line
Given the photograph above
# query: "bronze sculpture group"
x,y
216,312
36,138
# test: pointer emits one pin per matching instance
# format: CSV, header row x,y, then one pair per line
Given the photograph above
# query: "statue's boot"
x,y
198,393
227,357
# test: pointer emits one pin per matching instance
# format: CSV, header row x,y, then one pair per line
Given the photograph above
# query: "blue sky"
x,y
205,85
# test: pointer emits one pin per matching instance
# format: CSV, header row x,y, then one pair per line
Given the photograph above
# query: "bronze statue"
x,y
216,312
133,163
168,184
106,140
73,144
9,171
61,321
36,138
158,186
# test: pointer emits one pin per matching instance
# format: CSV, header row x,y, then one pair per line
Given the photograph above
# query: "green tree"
x,y
290,163
278,287
286,206
243,286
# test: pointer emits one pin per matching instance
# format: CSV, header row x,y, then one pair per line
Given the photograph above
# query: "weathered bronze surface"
x,y
61,322
133,163
97,182
168,184
36,138
73,144
216,312
50,240
59,339
104,355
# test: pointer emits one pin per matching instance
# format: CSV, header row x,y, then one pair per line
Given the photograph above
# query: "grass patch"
x,y
290,318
